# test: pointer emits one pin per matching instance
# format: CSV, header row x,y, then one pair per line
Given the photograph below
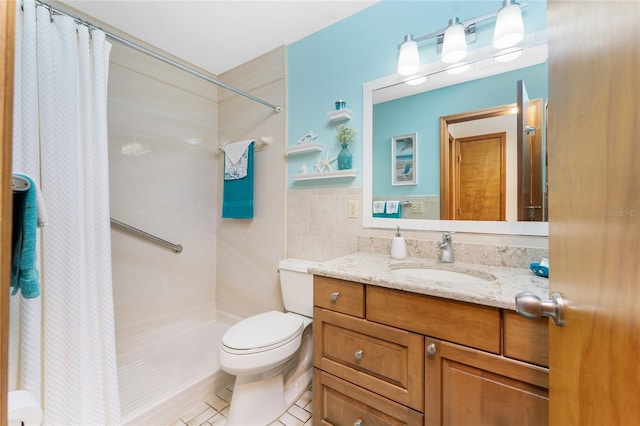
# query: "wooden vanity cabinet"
x,y
465,386
385,356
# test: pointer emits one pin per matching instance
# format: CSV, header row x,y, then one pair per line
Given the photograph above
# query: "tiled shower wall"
x,y
162,166
166,178
248,251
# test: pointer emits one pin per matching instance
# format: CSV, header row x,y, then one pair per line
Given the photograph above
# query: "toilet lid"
x,y
262,331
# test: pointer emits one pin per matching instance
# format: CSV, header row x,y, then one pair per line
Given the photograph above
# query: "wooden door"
x,y
479,177
594,211
7,21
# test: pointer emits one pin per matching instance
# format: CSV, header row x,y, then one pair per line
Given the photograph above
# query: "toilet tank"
x,y
297,285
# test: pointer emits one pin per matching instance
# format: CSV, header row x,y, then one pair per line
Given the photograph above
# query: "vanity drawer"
x,y
526,339
339,295
382,359
464,323
338,402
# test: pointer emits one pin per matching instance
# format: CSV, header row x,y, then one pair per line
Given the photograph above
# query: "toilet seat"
x,y
262,332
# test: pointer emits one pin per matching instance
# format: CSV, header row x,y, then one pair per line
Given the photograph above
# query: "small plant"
x,y
345,135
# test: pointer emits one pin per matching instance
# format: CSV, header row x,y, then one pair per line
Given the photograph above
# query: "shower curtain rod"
x,y
276,108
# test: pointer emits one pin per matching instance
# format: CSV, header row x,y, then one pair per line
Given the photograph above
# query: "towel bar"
x,y
264,143
177,248
19,183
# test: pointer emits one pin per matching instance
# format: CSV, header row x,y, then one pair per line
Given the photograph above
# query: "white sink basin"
x,y
444,275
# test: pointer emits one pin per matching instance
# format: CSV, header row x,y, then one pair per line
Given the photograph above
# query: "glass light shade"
x,y
454,46
409,60
509,29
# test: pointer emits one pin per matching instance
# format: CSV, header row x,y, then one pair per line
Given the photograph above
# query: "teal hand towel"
x,y
24,274
237,197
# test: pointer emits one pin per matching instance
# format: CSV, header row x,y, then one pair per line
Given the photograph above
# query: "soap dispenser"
x,y
398,246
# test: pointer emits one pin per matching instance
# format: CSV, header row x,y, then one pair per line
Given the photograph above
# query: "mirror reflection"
x,y
471,165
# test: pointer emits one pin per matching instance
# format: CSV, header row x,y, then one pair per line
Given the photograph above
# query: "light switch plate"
x,y
352,209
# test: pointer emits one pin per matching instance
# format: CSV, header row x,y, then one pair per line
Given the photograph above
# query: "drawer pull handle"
x,y
334,296
431,349
359,354
358,423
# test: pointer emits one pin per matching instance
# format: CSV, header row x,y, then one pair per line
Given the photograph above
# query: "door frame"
x,y
7,45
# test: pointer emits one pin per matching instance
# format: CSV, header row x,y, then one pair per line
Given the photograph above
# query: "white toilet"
x,y
271,353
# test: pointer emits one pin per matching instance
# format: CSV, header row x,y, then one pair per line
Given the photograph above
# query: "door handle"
x,y
531,306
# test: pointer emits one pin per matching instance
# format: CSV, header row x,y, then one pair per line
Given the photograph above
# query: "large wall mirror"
x,y
453,117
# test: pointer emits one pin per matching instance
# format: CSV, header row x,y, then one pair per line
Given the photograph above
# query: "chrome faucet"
x,y
446,248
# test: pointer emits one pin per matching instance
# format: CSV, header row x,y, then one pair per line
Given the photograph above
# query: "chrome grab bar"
x,y
177,248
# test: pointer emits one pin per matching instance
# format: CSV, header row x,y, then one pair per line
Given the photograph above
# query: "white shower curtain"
x,y
60,140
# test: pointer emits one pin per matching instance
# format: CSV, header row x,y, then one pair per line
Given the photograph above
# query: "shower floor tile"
x,y
215,409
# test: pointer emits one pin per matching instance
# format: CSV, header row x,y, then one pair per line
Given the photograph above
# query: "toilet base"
x,y
256,402
259,401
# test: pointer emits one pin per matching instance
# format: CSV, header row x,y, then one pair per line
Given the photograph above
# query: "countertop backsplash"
x,y
483,254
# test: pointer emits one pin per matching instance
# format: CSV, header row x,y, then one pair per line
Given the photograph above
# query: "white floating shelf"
x,y
339,114
304,147
351,173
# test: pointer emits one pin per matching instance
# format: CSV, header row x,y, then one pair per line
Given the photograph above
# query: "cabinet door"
x,y
465,386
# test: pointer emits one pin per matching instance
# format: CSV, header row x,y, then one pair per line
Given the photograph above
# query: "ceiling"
x,y
217,35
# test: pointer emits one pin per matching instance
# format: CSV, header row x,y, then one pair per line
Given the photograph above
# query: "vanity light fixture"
x,y
409,61
509,29
454,45
453,40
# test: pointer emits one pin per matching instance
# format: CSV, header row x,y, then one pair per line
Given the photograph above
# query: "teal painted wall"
x,y
334,63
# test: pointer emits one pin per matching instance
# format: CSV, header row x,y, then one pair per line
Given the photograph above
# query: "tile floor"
x,y
215,409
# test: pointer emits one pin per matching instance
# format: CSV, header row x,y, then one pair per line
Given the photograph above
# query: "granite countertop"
x,y
501,286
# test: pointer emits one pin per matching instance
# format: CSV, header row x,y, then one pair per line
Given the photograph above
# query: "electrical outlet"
x,y
352,209
416,207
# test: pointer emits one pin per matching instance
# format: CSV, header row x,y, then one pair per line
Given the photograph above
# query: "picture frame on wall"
x,y
404,159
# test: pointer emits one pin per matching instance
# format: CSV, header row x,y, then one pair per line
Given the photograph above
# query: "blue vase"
x,y
345,158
